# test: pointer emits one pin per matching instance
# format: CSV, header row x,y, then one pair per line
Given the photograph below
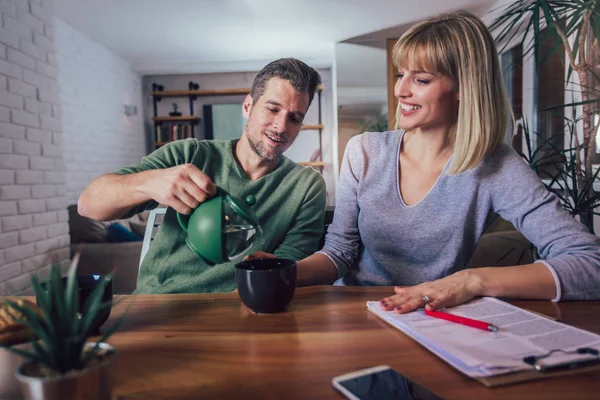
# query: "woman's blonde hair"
x,y
459,46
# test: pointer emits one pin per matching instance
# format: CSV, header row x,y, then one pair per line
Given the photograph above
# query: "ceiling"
x,y
201,36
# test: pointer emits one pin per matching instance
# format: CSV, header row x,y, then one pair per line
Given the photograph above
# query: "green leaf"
x,y
46,354
93,306
28,355
72,293
579,103
589,187
575,50
595,24
509,23
536,34
56,292
110,331
114,327
35,324
32,321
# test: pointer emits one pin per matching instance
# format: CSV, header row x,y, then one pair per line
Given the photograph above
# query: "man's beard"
x,y
259,148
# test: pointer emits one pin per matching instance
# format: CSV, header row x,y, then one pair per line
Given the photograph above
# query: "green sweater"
x,y
290,208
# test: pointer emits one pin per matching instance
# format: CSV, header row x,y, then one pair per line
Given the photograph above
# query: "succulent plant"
x,y
60,326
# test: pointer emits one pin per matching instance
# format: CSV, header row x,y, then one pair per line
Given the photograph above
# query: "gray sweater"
x,y
376,239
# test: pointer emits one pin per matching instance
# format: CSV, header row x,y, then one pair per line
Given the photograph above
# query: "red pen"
x,y
463,320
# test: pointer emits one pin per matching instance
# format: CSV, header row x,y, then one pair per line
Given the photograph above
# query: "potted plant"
x,y
575,27
12,334
376,124
62,364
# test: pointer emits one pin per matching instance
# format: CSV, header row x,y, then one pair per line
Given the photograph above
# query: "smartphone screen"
x,y
381,384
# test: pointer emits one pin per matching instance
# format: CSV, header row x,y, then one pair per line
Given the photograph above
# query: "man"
x,y
181,175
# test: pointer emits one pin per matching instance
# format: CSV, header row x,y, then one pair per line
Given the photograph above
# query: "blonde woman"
x,y
412,204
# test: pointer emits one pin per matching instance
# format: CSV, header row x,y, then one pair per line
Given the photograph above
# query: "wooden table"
x,y
210,346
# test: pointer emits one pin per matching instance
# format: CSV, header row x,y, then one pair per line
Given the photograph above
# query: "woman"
x,y
412,204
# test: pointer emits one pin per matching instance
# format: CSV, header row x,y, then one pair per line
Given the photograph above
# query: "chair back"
x,y
328,220
155,218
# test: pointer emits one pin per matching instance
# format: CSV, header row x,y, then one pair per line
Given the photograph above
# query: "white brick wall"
x,y
62,124
94,86
33,227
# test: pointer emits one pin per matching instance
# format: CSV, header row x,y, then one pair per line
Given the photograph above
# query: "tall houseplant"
x,y
574,24
562,161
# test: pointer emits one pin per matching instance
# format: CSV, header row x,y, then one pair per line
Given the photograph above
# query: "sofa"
x,y
100,255
501,245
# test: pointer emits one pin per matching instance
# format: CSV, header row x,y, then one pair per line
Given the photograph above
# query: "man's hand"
x,y
182,187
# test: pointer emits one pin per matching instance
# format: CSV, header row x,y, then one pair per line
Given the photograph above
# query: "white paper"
x,y
478,353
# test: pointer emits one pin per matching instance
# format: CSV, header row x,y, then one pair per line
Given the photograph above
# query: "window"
x,y
549,129
512,71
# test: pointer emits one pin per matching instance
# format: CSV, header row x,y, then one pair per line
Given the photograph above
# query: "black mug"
x,y
85,286
266,285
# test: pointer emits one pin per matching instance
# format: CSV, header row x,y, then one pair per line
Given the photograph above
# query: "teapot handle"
x,y
181,216
181,222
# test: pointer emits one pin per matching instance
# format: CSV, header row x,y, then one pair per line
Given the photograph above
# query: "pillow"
x,y
117,233
499,249
137,223
500,225
85,230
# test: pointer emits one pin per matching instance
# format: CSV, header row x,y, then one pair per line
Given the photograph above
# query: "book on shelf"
x,y
171,132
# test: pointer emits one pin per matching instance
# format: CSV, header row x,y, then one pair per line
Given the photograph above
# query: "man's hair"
x,y
459,46
302,77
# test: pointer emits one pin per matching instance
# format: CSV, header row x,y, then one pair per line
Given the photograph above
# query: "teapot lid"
x,y
243,207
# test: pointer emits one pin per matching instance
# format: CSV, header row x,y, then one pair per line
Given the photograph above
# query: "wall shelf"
x,y
200,93
182,118
312,127
207,92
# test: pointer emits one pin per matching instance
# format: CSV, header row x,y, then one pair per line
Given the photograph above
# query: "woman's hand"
x,y
452,290
258,255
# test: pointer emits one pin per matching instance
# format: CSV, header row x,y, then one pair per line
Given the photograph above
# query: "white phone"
x,y
381,383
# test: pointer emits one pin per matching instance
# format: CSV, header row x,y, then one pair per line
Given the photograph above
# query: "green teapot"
x,y
222,228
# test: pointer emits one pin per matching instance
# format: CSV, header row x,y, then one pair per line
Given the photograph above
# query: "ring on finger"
x,y
426,299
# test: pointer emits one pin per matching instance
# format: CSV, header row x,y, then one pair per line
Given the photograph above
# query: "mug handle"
x,y
181,222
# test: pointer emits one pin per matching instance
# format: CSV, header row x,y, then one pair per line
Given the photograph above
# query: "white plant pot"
x,y
9,363
94,383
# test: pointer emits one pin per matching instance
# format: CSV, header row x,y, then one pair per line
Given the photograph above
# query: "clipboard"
x,y
543,371
533,374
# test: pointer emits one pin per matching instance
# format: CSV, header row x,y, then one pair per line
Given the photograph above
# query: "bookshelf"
x,y
175,126
170,128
